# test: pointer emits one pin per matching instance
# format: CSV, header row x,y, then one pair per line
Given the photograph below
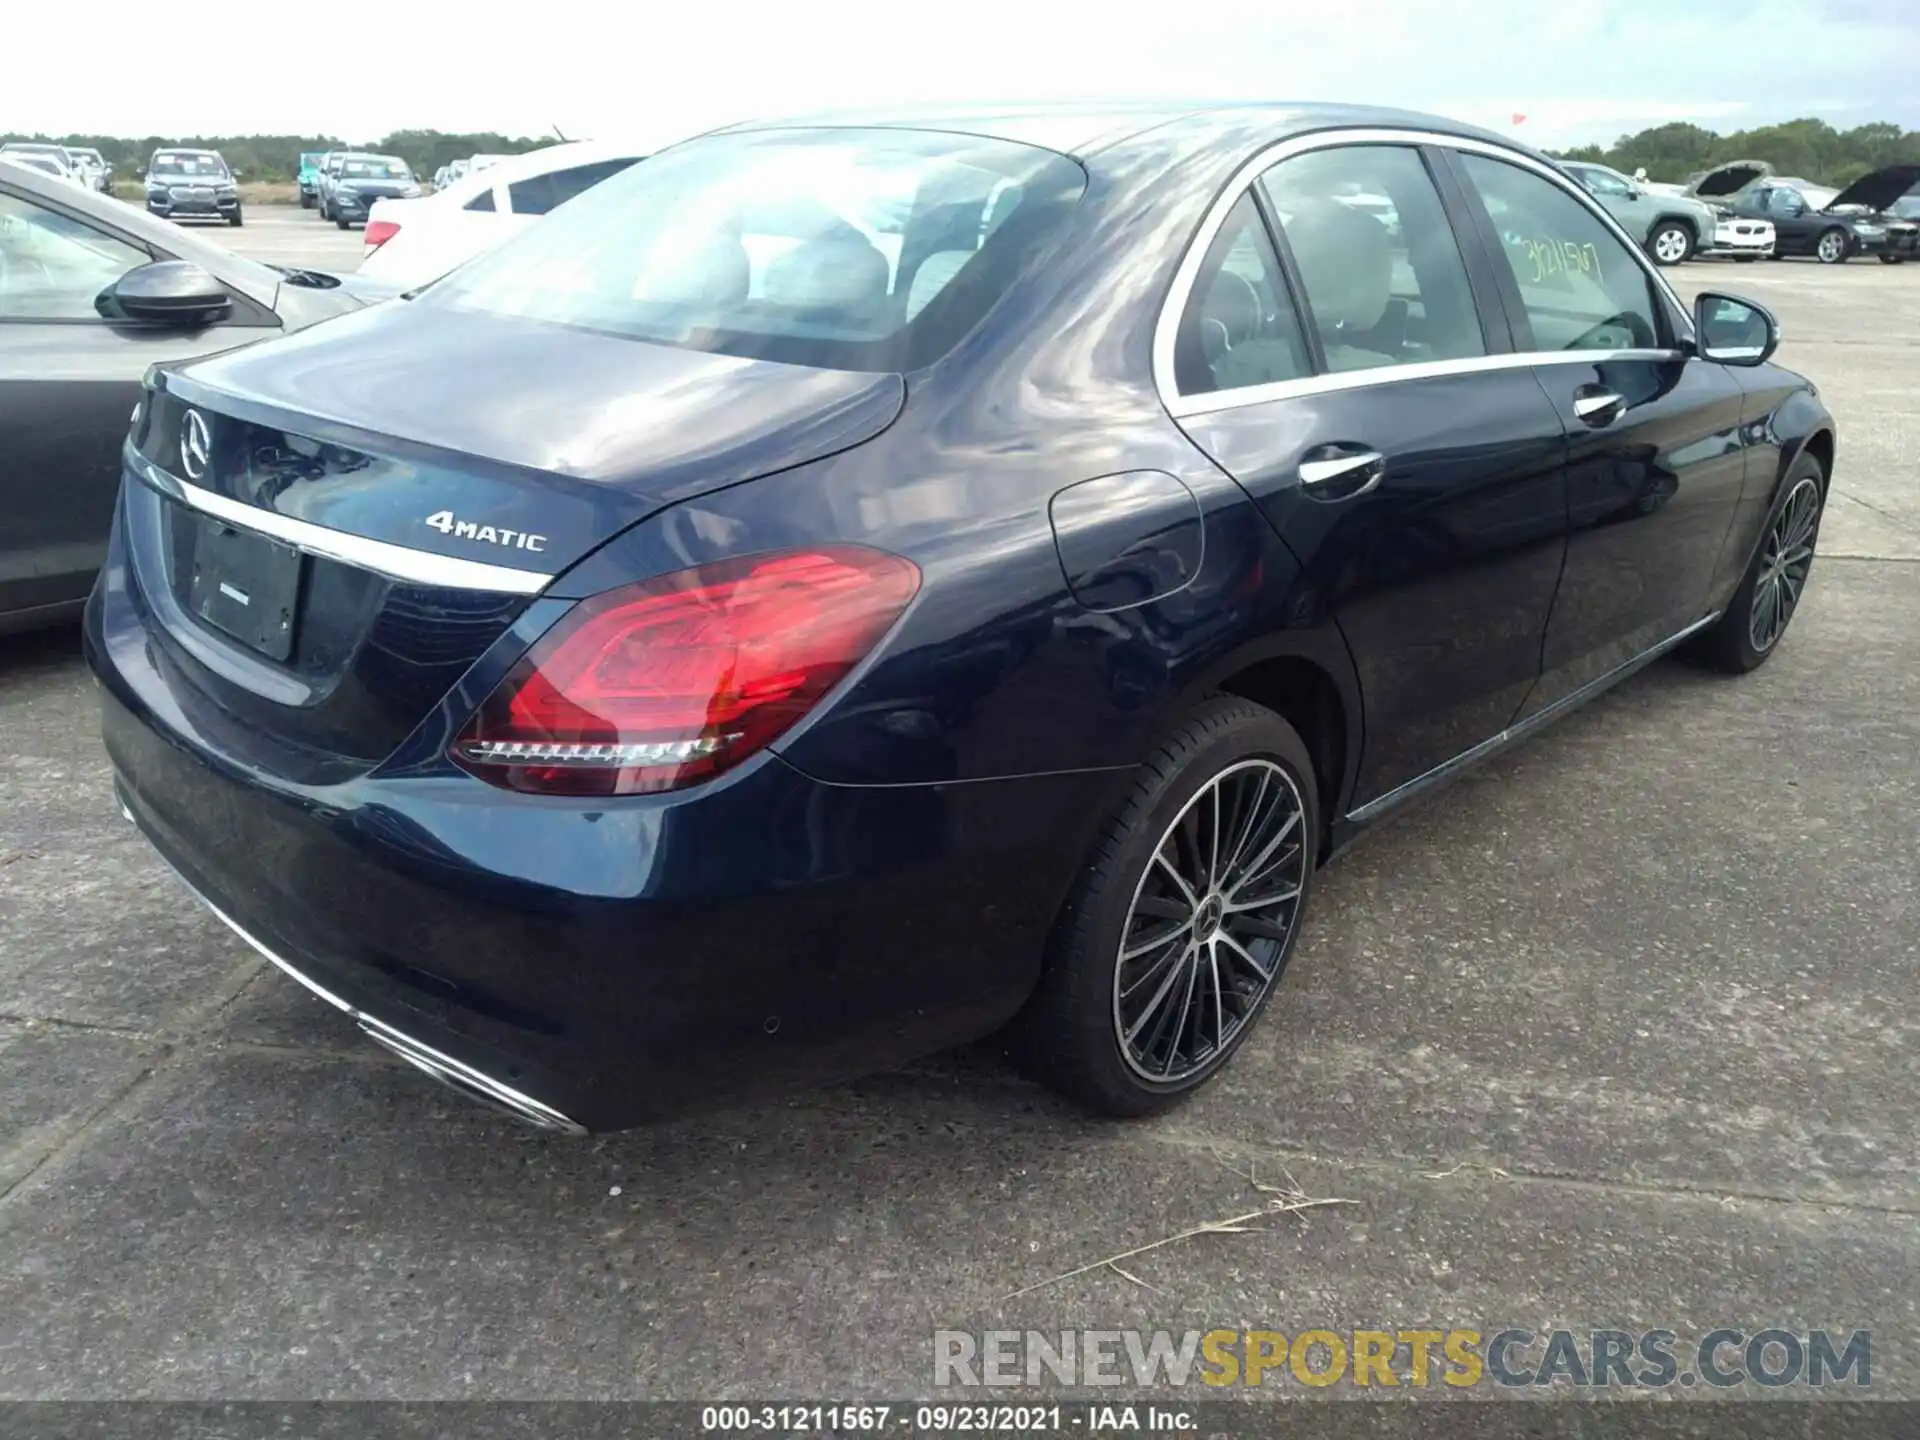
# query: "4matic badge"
x,y
446,524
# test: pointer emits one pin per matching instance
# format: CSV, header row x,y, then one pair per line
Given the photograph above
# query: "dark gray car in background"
x,y
92,292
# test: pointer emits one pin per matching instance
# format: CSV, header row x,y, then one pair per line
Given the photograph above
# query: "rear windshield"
x,y
191,166
375,168
846,249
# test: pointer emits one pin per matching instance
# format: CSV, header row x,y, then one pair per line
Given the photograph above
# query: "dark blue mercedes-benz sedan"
x,y
845,588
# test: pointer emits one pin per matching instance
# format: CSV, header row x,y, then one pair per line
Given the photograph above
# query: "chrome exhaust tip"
x,y
472,1083
455,1074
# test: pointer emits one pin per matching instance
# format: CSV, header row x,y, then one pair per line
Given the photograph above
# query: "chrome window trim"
x,y
1214,401
396,562
1166,328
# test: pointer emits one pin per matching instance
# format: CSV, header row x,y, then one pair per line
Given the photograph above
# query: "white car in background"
x,y
93,168
53,159
410,242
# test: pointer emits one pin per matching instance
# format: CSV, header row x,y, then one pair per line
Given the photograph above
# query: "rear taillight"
x,y
674,680
378,232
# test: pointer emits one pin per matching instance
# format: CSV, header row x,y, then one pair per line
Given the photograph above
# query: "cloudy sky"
x,y
1577,70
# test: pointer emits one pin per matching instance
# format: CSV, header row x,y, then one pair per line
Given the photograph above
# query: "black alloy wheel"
x,y
1182,924
1769,594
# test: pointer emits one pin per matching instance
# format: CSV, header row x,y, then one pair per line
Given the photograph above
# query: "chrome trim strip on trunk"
x,y
1521,729
455,1074
396,562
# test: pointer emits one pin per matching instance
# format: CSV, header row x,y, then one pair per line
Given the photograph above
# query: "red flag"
x,y
1518,118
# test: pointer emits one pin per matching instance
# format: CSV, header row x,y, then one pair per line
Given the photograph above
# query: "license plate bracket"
x,y
246,586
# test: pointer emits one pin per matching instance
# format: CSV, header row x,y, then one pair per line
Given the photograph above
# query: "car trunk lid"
x,y
404,483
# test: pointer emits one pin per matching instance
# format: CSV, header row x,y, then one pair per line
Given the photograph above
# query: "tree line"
x,y
277,157
1810,149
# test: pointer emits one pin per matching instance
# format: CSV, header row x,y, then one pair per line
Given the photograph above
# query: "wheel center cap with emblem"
x,y
1212,911
195,445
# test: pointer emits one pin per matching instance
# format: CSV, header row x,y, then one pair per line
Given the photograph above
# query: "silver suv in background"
x,y
1672,228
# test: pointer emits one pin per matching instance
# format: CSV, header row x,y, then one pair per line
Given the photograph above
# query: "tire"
x,y
1886,259
306,202
1671,242
236,219
1250,764
1739,641
341,221
1832,246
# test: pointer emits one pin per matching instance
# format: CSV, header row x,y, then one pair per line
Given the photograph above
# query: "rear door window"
x,y
1371,242
1240,327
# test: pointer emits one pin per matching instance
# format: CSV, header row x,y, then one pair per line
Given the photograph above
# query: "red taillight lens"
x,y
674,680
378,232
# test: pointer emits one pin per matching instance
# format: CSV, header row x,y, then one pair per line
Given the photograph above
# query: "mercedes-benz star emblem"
x,y
195,446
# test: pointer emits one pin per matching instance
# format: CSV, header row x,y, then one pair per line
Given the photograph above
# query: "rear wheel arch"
x,y
1304,694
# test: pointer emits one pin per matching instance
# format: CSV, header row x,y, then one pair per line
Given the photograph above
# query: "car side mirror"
x,y
1634,192
175,293
1732,331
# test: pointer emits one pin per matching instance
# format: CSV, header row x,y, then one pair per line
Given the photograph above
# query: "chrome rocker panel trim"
x,y
1540,719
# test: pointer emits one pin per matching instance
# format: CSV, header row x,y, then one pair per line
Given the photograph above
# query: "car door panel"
x,y
1651,496
1442,575
1654,449
67,390
1425,505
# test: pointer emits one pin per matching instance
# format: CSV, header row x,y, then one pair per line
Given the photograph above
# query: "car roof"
x,y
1082,129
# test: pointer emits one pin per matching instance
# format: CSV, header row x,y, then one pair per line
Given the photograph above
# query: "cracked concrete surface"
x,y
1618,1030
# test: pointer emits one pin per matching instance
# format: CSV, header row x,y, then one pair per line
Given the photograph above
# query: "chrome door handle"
x,y
1341,467
1599,409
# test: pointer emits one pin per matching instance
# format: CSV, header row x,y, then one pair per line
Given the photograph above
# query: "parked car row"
x,y
81,164
456,169
1831,225
93,292
1743,210
348,182
411,241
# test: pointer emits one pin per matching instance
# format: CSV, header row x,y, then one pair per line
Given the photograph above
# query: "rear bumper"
x,y
610,962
